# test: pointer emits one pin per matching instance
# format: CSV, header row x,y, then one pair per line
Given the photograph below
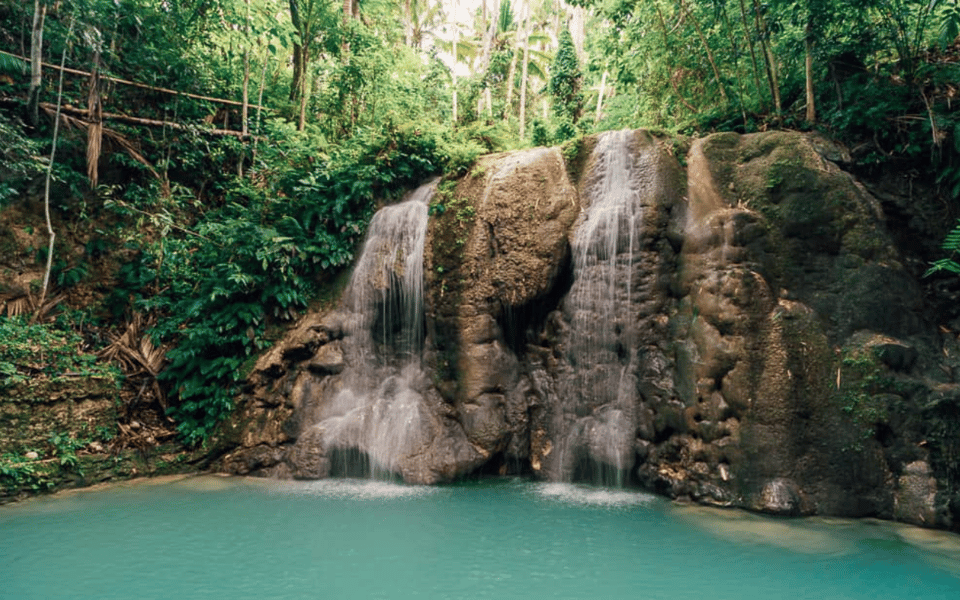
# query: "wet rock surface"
x,y
746,335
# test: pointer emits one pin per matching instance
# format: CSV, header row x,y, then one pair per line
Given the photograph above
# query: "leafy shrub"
x,y
33,352
20,159
539,135
256,258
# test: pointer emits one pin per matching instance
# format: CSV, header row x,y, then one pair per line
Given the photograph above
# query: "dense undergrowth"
x,y
263,253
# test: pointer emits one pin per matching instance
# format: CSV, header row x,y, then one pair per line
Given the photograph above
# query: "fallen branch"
x,y
121,141
139,85
150,122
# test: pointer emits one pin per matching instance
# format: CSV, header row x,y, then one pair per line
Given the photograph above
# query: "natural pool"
x,y
216,537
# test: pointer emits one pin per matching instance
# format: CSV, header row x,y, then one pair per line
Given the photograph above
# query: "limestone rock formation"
x,y
725,320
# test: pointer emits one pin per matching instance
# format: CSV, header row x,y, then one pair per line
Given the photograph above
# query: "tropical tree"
x,y
421,19
566,80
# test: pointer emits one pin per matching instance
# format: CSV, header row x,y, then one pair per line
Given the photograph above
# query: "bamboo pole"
x,y
148,122
138,85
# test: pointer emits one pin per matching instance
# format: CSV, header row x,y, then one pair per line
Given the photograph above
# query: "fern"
x,y
951,244
11,64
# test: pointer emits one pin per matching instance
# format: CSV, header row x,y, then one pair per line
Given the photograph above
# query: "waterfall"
x,y
594,429
376,422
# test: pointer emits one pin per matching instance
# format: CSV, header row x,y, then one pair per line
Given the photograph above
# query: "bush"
x,y
257,258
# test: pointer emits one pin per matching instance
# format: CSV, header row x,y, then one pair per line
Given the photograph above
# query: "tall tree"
x,y
312,20
566,80
36,62
421,17
524,73
453,72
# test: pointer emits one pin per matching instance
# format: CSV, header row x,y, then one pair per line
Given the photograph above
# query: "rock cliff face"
x,y
726,321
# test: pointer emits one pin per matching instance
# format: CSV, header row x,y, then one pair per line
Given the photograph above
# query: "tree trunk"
x,y
811,115
523,81
49,178
453,72
603,86
95,118
511,73
408,25
774,79
490,29
263,84
302,122
577,31
297,72
769,60
298,69
753,54
36,54
244,112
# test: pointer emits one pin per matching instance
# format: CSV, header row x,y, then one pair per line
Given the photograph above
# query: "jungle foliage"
x,y
235,180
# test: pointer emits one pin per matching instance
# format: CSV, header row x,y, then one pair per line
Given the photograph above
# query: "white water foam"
x,y
354,489
569,493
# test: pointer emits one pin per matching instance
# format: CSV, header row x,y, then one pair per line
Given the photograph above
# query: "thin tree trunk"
x,y
453,72
36,72
769,60
577,31
263,83
603,86
774,79
246,91
304,89
95,130
408,25
490,29
511,73
297,72
811,115
298,67
245,109
524,68
753,54
49,178
244,113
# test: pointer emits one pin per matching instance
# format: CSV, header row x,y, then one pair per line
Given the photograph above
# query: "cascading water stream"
x,y
376,422
595,429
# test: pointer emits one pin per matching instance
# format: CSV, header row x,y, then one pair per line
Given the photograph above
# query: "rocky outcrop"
x,y
734,327
60,432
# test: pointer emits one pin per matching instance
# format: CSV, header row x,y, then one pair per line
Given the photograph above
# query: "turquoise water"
x,y
213,537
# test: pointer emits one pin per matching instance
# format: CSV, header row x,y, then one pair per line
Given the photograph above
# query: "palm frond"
x,y
13,65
